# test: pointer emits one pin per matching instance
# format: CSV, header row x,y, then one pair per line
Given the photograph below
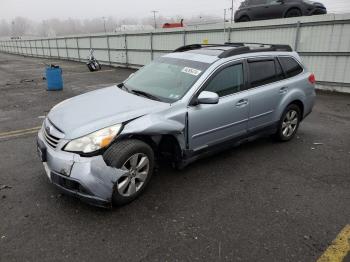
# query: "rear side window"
x,y
263,72
290,66
228,81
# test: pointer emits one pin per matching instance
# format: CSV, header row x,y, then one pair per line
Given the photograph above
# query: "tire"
x,y
289,123
98,65
129,155
293,13
90,68
244,19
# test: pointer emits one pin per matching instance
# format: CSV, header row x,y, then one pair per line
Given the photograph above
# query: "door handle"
x,y
283,90
242,102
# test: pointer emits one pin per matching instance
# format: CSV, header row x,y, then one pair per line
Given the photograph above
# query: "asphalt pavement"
x,y
261,201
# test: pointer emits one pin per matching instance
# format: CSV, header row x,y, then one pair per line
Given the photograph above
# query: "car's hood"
x,y
318,4
84,114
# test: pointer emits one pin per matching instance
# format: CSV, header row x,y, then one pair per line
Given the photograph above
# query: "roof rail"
x,y
238,48
276,47
196,46
188,48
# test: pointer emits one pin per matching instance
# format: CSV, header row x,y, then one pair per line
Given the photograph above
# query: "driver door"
x,y
211,124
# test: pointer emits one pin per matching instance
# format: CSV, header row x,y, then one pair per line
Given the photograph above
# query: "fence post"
x,y
297,36
151,43
17,47
65,43
229,34
184,37
36,47
30,46
48,42
76,39
42,47
126,50
58,50
109,50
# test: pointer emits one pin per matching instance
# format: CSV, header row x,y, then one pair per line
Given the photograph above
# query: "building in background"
x,y
174,25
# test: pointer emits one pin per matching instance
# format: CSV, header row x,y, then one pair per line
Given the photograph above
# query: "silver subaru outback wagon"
x,y
102,146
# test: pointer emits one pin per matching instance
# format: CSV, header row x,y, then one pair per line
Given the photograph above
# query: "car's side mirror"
x,y
206,97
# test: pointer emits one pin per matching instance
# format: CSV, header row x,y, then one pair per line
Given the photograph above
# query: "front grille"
x,y
49,138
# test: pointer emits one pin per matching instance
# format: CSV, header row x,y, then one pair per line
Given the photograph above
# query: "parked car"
x,y
251,10
102,146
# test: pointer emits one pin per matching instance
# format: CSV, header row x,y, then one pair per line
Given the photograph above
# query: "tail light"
x,y
312,79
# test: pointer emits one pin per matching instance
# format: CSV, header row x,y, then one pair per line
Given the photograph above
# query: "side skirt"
x,y
190,156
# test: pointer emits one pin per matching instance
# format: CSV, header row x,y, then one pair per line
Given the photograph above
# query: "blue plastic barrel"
x,y
54,78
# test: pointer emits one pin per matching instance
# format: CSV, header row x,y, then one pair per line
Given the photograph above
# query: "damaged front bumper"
x,y
88,178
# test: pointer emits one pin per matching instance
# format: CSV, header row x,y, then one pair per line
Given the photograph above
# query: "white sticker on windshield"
x,y
191,71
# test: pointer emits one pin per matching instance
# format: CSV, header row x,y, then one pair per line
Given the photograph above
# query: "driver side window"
x,y
228,81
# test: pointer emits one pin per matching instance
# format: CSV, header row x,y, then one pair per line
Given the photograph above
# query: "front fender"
x,y
153,125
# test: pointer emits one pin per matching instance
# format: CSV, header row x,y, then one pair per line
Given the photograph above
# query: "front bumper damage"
x,y
87,178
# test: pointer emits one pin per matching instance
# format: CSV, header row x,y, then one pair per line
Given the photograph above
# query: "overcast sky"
x,y
44,9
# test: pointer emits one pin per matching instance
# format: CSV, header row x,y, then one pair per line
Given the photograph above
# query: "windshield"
x,y
167,79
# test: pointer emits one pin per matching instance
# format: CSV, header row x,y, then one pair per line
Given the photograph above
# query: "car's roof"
x,y
212,53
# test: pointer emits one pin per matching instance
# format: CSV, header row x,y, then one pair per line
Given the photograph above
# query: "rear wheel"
x,y
289,123
137,159
293,13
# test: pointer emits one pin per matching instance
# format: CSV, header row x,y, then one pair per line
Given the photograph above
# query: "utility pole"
x,y
154,18
104,24
232,12
224,21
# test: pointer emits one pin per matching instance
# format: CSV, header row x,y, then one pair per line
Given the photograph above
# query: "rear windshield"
x,y
168,79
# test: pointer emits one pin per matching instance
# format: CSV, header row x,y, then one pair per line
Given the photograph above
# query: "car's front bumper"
x,y
318,11
88,178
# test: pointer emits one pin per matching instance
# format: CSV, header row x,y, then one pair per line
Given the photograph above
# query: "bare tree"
x,y
20,26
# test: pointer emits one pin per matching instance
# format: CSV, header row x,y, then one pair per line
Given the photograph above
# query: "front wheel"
x,y
137,159
289,123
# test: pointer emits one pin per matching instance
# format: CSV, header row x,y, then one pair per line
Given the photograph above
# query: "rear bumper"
x,y
88,179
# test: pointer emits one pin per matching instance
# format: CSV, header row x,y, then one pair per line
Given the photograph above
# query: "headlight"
x,y
94,141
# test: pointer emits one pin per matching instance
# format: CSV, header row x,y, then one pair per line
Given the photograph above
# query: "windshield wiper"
x,y
122,85
145,94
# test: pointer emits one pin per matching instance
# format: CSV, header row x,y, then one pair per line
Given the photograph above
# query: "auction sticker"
x,y
191,71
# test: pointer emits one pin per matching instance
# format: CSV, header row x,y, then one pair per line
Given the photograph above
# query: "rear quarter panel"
x,y
299,89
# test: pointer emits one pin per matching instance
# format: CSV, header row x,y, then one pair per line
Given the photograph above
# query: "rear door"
x,y
266,91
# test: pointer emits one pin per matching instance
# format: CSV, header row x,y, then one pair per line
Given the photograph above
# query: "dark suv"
x,y
269,9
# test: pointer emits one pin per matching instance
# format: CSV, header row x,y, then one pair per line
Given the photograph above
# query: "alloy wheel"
x,y
290,123
137,167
